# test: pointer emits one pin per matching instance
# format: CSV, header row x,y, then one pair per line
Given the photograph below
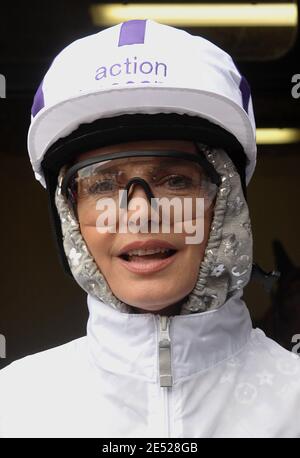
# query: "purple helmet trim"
x,y
245,90
38,101
132,32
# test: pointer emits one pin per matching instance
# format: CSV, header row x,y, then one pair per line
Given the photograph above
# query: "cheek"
x,y
98,244
196,252
209,214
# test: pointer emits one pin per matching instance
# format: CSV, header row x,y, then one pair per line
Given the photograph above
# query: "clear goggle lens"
x,y
178,189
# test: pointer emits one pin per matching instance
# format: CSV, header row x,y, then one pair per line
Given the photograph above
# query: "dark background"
x,y
40,307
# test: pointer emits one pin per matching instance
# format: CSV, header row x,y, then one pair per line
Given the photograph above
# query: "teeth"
x,y
146,252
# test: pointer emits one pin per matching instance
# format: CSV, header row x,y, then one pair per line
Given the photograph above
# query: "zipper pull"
x,y
165,372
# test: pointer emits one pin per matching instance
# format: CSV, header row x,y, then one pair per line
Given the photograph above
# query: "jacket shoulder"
x,y
273,348
267,355
52,361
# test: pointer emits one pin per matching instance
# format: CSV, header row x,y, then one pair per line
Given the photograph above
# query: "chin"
x,y
146,303
150,302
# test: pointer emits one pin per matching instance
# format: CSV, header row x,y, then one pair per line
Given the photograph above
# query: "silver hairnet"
x,y
227,263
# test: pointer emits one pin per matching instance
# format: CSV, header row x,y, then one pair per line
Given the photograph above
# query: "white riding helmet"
x,y
141,67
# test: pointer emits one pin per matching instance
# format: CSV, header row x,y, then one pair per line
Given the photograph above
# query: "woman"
x,y
124,121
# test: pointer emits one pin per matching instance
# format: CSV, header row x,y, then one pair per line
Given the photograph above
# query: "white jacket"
x,y
227,380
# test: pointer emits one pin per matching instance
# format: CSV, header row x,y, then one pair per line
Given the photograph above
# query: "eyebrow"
x,y
112,163
114,167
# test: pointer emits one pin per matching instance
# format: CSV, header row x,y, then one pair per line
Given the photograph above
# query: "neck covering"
x,y
227,262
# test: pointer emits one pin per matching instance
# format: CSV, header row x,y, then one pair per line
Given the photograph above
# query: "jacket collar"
x,y
136,344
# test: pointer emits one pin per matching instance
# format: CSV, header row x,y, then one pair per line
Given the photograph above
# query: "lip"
x,y
149,266
148,244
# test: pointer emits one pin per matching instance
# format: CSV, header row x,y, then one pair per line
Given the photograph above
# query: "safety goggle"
x,y
163,174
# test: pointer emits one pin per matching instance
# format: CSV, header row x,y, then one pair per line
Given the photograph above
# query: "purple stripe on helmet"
x,y
132,32
38,101
245,90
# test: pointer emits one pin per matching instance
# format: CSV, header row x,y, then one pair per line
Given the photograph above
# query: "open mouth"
x,y
147,255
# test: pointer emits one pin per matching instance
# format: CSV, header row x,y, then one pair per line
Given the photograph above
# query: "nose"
x,y
131,190
138,188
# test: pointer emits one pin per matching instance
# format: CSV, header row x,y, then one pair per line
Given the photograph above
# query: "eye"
x,y
177,182
102,186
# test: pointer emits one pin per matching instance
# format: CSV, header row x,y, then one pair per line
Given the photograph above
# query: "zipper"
x,y
165,370
164,351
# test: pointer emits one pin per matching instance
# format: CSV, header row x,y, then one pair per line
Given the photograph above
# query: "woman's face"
x,y
148,282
